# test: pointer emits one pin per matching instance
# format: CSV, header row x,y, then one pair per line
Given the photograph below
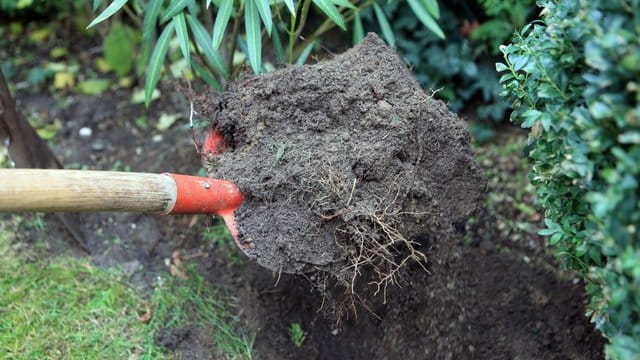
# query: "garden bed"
x,y
495,295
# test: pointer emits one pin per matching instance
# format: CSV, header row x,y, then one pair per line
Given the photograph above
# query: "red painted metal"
x,y
198,195
214,143
232,226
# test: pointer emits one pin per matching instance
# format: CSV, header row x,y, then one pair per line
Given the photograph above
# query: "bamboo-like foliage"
x,y
245,25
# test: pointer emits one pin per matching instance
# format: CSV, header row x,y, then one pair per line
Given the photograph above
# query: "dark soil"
x,y
502,298
497,295
347,166
191,342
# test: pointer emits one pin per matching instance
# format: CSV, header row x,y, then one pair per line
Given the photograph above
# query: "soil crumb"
x,y
345,165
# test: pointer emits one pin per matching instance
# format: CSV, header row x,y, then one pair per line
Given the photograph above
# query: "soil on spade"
x,y
347,166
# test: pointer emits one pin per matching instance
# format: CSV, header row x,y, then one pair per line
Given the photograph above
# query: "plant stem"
x,y
207,17
327,25
294,35
213,72
234,39
132,16
291,32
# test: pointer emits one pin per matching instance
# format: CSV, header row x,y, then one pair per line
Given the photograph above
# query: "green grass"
x,y
65,308
297,334
220,236
179,303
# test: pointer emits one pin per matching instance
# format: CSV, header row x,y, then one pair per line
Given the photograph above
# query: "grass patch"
x,y
179,303
220,236
65,308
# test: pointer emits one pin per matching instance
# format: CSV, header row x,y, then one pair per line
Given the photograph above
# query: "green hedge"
x,y
574,80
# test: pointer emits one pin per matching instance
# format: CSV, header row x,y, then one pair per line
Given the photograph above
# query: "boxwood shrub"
x,y
574,80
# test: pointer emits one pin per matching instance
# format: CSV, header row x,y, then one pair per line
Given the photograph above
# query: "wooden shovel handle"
x,y
78,190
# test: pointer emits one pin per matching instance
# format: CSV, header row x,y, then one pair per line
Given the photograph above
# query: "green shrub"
x,y
573,80
460,67
38,7
213,35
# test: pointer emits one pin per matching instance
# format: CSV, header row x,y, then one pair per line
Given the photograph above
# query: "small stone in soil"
x,y
98,145
85,132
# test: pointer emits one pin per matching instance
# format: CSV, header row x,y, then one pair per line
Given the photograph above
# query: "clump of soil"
x,y
345,164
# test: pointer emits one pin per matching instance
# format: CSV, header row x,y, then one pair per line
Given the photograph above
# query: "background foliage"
x,y
212,31
213,44
38,7
460,66
572,78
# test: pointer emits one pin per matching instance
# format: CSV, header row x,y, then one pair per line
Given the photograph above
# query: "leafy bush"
x,y
461,66
39,7
239,25
573,80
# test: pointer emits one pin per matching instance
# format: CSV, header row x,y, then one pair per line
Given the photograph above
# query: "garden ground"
x,y
510,300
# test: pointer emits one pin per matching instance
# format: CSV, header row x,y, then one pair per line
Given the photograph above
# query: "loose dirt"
x,y
346,164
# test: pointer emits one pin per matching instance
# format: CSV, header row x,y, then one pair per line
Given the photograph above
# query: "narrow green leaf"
x,y
425,18
96,4
208,4
305,54
330,10
387,33
206,75
145,52
108,12
242,44
254,41
265,13
344,3
277,45
150,19
194,9
291,7
358,32
148,34
157,59
183,35
432,7
222,19
175,7
202,39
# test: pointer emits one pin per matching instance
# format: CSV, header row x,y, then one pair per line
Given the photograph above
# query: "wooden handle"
x,y
77,190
